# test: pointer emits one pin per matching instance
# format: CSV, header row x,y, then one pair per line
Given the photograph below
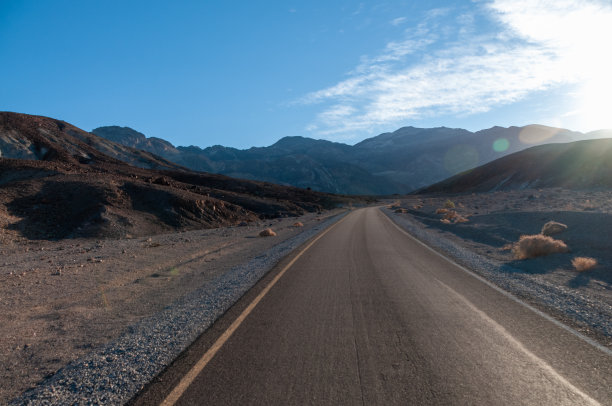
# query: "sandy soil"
x,y
498,219
61,299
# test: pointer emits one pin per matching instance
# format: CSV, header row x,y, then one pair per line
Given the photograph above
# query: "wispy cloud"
x,y
397,21
536,45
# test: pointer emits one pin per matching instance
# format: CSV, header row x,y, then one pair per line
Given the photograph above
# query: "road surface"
x,y
369,316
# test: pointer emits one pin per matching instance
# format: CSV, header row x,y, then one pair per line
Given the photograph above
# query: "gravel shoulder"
x,y
86,320
496,220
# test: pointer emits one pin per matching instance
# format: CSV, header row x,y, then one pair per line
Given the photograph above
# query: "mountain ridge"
x,y
57,181
578,165
401,161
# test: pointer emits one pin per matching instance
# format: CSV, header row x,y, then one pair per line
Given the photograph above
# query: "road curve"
x,y
367,315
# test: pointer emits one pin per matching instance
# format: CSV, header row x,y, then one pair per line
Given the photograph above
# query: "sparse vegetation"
x,y
552,228
582,264
531,246
461,219
394,205
449,204
298,224
451,216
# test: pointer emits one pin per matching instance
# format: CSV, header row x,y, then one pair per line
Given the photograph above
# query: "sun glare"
x,y
595,110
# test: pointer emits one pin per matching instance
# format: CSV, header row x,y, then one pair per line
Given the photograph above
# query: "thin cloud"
x,y
538,45
397,21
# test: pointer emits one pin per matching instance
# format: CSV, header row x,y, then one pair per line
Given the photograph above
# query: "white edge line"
x,y
187,379
509,295
517,344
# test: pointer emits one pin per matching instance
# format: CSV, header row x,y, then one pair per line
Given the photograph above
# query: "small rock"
x,y
268,232
552,228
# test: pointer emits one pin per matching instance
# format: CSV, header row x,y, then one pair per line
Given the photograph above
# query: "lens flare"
x,y
536,134
501,145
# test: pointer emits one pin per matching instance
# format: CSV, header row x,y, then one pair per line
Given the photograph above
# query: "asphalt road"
x,y
368,315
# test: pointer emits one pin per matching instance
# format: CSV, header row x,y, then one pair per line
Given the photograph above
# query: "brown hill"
x,y
55,184
580,165
24,136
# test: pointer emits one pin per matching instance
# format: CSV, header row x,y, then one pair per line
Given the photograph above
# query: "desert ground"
x,y
491,223
61,299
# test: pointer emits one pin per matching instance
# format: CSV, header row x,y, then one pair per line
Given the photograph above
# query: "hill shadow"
x,y
58,210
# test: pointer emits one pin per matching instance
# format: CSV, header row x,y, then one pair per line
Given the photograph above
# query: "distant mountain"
x,y
58,181
23,136
397,162
127,136
581,165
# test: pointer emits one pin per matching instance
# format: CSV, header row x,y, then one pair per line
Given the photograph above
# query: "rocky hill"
x,y
56,183
397,162
581,165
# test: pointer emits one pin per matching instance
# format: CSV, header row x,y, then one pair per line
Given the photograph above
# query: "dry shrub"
x,y
417,206
552,228
445,221
461,219
268,232
450,215
588,205
531,246
582,264
449,204
400,210
441,211
298,224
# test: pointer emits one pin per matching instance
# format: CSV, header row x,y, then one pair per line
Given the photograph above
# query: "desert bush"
x,y
267,233
449,204
582,264
531,246
445,221
417,206
461,219
394,205
441,211
298,224
552,228
450,215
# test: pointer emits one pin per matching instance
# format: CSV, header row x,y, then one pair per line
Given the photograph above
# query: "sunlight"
x,y
595,109
590,59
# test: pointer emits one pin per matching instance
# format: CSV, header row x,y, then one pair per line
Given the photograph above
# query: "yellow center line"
x,y
188,379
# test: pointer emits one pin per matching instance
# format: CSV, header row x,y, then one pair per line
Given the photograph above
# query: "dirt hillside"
x,y
56,183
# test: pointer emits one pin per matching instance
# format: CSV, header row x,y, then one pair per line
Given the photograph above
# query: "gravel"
x,y
587,314
116,372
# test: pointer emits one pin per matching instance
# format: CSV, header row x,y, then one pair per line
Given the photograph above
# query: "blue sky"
x,y
247,73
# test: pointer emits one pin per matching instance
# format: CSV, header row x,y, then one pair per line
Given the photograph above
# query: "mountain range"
x,y
398,162
58,181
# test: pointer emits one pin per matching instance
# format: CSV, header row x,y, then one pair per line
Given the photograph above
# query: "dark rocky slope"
x,y
56,183
580,165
